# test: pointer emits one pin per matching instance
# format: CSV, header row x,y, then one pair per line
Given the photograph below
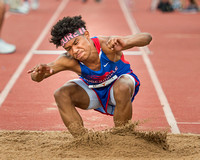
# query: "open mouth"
x,y
79,55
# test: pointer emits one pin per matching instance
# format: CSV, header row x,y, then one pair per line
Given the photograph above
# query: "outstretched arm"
x,y
63,62
119,43
41,71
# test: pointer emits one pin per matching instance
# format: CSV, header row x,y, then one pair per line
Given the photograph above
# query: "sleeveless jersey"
x,y
102,80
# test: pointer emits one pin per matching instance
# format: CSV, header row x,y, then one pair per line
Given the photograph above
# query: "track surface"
x,y
26,105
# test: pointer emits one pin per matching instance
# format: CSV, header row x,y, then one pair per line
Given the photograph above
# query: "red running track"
x,y
174,58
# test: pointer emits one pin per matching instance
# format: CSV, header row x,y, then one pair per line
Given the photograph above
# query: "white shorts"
x,y
94,101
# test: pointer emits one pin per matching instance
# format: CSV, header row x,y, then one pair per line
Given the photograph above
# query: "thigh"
x,y
86,97
77,95
125,79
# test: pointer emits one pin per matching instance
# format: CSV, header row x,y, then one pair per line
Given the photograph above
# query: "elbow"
x,y
148,38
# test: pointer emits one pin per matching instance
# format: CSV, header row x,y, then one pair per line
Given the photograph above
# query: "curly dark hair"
x,y
65,26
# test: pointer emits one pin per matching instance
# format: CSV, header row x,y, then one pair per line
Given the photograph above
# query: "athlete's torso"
x,y
101,81
109,69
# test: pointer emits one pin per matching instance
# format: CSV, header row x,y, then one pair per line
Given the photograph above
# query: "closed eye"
x,y
68,48
75,42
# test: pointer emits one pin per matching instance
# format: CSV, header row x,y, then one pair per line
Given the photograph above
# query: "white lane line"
x,y
161,95
189,123
49,52
7,14
28,56
154,4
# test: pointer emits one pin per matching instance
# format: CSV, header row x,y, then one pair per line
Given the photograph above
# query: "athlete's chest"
x,y
107,70
95,66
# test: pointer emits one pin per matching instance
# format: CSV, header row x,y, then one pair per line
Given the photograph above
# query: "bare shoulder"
x,y
66,57
103,42
103,39
65,62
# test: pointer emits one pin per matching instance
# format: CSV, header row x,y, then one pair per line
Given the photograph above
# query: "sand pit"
x,y
120,143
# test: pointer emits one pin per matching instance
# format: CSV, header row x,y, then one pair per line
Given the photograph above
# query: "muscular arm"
x,y
63,62
137,40
113,45
120,43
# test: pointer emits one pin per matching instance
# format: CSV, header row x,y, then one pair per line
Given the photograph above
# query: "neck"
x,y
93,60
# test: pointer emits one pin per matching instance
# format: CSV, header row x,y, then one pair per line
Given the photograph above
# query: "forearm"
x,y
40,72
115,44
138,40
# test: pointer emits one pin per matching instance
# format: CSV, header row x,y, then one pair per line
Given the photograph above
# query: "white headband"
x,y
70,36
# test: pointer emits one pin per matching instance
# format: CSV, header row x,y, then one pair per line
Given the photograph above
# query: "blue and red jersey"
x,y
101,81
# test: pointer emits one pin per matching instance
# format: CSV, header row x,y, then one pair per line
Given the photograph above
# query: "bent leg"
x,y
2,13
67,98
123,90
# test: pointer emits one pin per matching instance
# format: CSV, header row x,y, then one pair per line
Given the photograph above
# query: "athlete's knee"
x,y
61,93
123,89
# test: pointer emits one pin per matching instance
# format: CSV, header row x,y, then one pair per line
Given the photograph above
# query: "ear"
x,y
87,34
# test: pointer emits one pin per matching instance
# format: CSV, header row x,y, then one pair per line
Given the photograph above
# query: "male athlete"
x,y
106,82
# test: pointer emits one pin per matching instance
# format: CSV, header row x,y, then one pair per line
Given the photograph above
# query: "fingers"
x,y
112,43
41,68
30,71
116,44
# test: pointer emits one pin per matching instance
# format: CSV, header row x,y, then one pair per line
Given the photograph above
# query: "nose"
x,y
74,49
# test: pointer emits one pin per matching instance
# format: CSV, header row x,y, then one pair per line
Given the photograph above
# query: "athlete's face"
x,y
79,47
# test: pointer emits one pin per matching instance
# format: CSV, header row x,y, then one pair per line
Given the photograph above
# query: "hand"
x,y
115,44
41,68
